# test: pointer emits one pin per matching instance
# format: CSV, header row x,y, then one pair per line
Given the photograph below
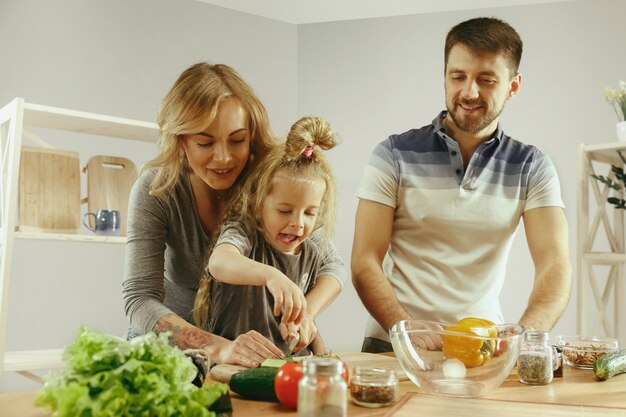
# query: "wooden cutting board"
x,y
49,191
109,181
223,373
413,404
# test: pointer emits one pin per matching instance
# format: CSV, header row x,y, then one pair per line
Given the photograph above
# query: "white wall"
x,y
370,78
375,77
115,57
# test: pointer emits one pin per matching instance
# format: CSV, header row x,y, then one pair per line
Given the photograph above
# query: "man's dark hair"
x,y
487,35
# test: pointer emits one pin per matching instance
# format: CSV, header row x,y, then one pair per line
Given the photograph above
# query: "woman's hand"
x,y
288,297
248,349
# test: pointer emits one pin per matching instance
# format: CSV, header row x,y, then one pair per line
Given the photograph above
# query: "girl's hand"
x,y
248,349
288,297
306,328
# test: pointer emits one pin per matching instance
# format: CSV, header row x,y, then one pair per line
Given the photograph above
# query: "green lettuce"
x,y
108,376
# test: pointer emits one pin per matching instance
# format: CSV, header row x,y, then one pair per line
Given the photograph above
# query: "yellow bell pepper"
x,y
471,351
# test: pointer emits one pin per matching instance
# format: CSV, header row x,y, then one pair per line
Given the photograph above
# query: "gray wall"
x,y
370,78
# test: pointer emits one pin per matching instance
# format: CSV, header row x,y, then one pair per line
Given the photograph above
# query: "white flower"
x,y
617,100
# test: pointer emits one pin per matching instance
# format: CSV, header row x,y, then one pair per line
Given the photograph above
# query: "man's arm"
x,y
372,234
547,236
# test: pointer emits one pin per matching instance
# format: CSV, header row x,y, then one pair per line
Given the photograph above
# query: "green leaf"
x,y
607,181
618,202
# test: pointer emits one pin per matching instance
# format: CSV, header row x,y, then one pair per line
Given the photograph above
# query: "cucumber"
x,y
255,384
610,364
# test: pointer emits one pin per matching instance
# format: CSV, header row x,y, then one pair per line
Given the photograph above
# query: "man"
x,y
444,201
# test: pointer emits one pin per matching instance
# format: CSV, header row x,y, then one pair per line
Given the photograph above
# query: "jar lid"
x,y
536,335
322,366
374,375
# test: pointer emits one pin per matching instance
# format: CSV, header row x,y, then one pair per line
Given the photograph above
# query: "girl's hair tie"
x,y
308,151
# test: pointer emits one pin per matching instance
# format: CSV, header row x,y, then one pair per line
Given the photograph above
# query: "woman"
x,y
213,130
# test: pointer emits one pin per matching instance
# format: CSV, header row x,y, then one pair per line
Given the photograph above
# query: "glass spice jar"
x,y
322,391
373,387
537,359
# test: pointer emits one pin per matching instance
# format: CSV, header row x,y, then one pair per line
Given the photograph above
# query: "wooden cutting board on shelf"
x,y
223,373
49,191
109,181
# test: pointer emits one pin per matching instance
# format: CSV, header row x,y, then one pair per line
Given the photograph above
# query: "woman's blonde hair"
x,y
190,106
298,159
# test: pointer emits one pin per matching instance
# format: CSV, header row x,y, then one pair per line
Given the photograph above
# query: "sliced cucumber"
x,y
273,363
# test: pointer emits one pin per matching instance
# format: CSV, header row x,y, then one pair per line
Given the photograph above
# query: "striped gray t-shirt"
x,y
454,226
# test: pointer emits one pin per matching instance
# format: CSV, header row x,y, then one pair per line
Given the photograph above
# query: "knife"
x,y
292,342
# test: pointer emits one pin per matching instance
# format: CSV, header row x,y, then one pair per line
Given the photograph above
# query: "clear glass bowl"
x,y
582,351
418,345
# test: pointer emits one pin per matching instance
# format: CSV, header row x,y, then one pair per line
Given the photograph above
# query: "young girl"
x,y
277,224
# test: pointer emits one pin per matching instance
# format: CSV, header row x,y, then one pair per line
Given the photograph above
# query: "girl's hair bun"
x,y
307,132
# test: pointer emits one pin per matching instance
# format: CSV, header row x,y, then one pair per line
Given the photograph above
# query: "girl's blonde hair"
x,y
190,106
299,159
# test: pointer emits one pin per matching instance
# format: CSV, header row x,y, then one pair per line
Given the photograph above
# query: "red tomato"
x,y
286,384
287,379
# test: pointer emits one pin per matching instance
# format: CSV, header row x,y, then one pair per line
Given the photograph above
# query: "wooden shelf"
x,y
606,152
15,117
600,307
604,257
82,122
70,237
30,360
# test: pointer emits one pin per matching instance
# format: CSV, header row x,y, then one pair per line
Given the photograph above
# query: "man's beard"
x,y
474,126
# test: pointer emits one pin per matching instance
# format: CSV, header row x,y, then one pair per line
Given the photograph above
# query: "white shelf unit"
x,y
14,117
601,258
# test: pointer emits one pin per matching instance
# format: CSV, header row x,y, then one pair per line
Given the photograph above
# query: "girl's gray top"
x,y
236,309
166,249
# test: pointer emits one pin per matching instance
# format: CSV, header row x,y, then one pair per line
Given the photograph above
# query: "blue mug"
x,y
107,222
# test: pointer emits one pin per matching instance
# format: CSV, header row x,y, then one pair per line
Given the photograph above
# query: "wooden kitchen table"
x,y
576,394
